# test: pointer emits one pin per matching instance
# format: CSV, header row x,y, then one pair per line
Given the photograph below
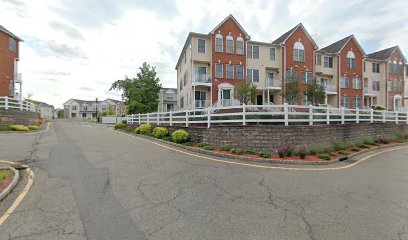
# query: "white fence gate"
x,y
113,119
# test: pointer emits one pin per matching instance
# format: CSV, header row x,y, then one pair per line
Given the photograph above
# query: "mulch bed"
x,y
5,182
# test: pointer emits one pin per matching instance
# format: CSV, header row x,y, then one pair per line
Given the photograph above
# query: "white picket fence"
x,y
277,114
112,119
11,103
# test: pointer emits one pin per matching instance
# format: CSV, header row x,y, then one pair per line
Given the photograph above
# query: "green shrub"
x,y
368,141
360,144
5,128
208,148
119,126
201,145
124,121
401,135
343,153
33,127
237,151
167,138
160,132
190,144
285,150
265,154
19,128
180,136
321,148
225,148
324,157
250,152
301,152
144,129
338,145
355,149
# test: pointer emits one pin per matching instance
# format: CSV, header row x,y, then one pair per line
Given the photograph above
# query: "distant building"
x,y
167,100
83,109
9,57
46,111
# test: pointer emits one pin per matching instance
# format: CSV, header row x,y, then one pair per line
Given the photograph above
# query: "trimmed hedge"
x,y
180,136
19,128
144,129
33,127
160,132
119,125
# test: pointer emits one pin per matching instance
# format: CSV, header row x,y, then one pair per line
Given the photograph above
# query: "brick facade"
x,y
7,59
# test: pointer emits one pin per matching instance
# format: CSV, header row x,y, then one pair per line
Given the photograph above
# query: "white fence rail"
x,y
277,114
11,103
113,119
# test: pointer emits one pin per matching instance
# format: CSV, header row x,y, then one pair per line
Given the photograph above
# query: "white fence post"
x,y
310,115
148,118
6,102
327,114
371,115
186,118
158,118
171,119
286,114
139,118
342,115
209,117
396,117
406,117
21,105
243,114
357,115
384,116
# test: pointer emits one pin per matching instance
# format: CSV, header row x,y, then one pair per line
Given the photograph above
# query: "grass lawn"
x,y
2,175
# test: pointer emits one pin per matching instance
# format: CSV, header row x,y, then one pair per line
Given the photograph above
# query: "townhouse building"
x,y
46,111
9,57
385,77
167,100
83,109
212,65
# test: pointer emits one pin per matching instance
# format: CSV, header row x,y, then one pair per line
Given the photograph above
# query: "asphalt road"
x,y
93,183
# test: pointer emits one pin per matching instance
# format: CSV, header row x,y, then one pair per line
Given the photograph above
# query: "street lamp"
x,y
96,109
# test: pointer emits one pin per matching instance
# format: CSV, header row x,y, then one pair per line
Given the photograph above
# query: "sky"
x,y
78,48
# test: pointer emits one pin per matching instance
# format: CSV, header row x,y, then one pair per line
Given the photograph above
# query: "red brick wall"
x,y
6,64
307,65
396,56
357,72
228,27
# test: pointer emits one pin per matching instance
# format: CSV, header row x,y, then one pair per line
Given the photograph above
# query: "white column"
x,y
243,114
286,114
310,115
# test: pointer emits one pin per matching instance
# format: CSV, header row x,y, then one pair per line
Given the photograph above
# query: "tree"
x,y
60,113
141,94
246,92
111,110
292,90
315,92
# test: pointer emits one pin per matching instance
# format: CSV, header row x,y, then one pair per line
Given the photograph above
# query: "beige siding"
x,y
370,76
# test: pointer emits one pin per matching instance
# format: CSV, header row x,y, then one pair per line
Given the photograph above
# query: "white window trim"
x,y
219,36
240,39
198,46
274,54
222,70
226,71
229,37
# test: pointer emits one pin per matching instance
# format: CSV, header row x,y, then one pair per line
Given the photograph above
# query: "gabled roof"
x,y
282,39
3,29
336,47
235,21
386,54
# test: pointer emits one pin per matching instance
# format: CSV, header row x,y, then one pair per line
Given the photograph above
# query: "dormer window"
x,y
298,52
219,43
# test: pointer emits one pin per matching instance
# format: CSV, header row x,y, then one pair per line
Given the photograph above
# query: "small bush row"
x,y
19,128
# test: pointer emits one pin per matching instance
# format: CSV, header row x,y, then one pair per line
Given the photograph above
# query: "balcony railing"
x,y
202,78
331,88
273,83
202,103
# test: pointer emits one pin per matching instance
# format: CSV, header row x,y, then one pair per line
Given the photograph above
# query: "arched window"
x,y
240,45
230,44
219,43
298,52
351,60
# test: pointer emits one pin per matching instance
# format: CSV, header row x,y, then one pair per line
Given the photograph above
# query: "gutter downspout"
x,y
284,73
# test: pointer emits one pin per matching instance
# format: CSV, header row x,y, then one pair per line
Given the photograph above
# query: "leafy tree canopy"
x,y
315,92
246,92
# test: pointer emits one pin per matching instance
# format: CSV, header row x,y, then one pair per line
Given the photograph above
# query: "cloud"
x,y
86,89
68,30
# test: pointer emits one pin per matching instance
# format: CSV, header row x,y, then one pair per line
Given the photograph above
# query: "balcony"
x,y
368,91
273,84
202,80
202,103
331,89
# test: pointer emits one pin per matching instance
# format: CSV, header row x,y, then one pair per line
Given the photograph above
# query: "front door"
x,y
226,97
259,100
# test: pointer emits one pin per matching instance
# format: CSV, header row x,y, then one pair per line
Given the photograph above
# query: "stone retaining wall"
x,y
15,116
270,137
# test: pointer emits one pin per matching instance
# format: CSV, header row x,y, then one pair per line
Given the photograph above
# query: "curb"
x,y
236,157
354,155
11,186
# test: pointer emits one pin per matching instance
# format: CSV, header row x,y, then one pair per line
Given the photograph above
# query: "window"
x,y
253,75
291,76
74,107
240,46
351,60
85,108
219,43
272,54
306,76
270,79
253,51
12,44
219,71
364,66
328,62
356,102
181,102
318,59
376,85
230,71
201,74
345,102
344,83
230,44
201,45
356,83
185,79
200,95
298,52
73,115
240,72
401,68
376,67
395,67
181,84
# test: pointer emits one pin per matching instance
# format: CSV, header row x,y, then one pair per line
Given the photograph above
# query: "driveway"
x,y
93,183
